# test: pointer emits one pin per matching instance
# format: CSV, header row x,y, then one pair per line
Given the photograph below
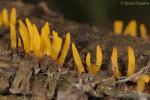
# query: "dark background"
x,y
101,13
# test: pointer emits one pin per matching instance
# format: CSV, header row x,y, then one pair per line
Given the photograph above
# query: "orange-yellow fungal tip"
x,y
1,21
36,41
114,61
13,36
93,69
45,42
19,43
30,30
56,45
5,17
118,27
143,31
131,61
88,59
46,28
13,16
98,56
64,49
25,36
77,59
131,29
141,82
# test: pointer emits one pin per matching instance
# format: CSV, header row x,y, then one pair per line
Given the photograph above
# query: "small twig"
x,y
136,75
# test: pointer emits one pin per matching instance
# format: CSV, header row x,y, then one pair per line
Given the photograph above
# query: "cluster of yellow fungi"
x,y
40,43
131,29
92,68
131,68
5,19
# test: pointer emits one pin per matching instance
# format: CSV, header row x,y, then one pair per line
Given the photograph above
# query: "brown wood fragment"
x,y
21,82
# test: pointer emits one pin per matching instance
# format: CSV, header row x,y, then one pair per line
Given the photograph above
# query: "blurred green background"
x,y
101,13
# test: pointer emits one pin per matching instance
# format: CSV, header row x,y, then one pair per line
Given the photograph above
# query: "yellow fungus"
x,y
36,41
19,43
141,82
131,29
131,61
77,59
13,36
1,21
114,61
25,36
88,59
118,27
64,49
45,42
56,45
30,29
143,31
93,69
13,16
98,56
46,28
5,17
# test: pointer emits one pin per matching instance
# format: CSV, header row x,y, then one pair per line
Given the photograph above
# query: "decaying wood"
x,y
44,79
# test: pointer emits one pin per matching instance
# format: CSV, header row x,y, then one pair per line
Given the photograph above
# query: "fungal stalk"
x,y
13,36
143,31
114,62
77,59
131,29
118,27
141,82
131,61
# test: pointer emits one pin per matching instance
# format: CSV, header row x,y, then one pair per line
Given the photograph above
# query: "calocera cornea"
x,y
118,27
141,82
143,31
131,29
131,61
92,68
5,19
40,44
114,62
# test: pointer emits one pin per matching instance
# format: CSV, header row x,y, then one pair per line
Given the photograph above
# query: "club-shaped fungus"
x,y
56,45
45,40
40,44
13,16
25,36
92,68
19,45
13,36
131,61
114,62
131,29
118,27
141,82
30,30
64,49
143,31
77,59
6,20
5,17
